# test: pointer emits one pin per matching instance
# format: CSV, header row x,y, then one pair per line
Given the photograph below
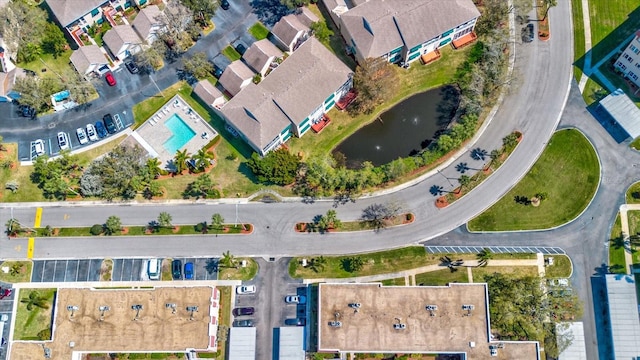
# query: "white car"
x,y
295,299
91,132
82,136
63,141
38,147
246,289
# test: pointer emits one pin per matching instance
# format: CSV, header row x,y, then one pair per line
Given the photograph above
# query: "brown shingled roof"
x,y
68,11
259,54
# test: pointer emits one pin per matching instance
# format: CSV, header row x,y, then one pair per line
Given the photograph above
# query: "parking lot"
x,y
495,249
135,269
66,270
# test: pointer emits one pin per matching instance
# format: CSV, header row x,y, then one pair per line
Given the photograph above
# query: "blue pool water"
x,y
182,133
62,95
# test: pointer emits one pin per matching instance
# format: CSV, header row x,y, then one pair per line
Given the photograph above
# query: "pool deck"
x,y
153,133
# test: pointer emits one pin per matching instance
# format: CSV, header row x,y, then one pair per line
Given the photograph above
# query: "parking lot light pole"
x,y
157,87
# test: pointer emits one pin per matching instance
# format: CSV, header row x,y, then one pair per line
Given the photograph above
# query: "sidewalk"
x,y
409,275
628,258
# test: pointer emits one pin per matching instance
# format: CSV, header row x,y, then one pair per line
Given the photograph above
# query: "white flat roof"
x,y
242,343
291,346
577,350
623,313
623,111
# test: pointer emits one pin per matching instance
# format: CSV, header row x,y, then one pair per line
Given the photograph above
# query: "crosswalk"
x,y
546,250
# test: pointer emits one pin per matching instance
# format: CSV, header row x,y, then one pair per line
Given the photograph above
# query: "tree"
x,y
279,167
180,160
118,174
35,300
376,81
2,147
217,221
484,256
202,159
332,219
53,41
464,180
202,186
164,219
113,225
35,91
80,90
203,10
510,141
450,263
228,260
292,4
151,58
22,27
16,269
548,4
317,264
177,19
154,168
321,31
352,264
198,65
377,213
542,195
495,155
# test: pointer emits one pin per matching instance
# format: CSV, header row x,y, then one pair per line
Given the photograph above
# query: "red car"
x,y
110,79
5,292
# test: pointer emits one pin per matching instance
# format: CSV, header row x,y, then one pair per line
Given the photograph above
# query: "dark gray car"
x,y
243,323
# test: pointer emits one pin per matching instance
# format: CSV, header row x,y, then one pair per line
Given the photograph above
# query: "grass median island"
x,y
442,277
561,268
239,273
633,192
34,314
19,271
567,172
196,229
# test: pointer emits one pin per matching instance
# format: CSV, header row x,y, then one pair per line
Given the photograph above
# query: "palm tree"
x,y
451,264
153,165
484,256
217,220
317,264
202,158
16,269
35,300
548,4
228,260
332,219
510,141
180,160
164,219
464,180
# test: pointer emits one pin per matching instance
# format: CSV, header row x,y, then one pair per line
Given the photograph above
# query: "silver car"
x,y
91,132
63,141
82,136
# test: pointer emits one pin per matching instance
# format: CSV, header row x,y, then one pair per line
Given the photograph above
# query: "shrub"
x,y
96,230
201,227
44,334
409,216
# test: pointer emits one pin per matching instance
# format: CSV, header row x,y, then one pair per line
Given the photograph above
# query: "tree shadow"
x,y
211,266
269,11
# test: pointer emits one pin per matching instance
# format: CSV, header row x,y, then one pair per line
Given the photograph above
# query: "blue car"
x,y
188,271
100,129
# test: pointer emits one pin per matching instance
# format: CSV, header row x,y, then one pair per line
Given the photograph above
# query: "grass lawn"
x,y
189,229
616,249
240,273
335,43
578,37
225,316
416,79
590,89
36,320
611,22
23,275
29,191
231,53
636,144
55,66
394,282
561,267
512,271
442,277
258,31
568,171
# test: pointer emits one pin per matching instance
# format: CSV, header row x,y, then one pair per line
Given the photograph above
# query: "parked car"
x,y
91,132
243,323
27,111
243,311
527,33
246,289
38,147
82,136
110,79
217,71
224,4
241,49
132,67
295,299
63,140
296,322
100,129
188,271
176,269
109,124
4,293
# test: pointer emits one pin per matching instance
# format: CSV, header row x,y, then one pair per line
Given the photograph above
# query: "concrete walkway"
x,y
587,44
410,275
624,221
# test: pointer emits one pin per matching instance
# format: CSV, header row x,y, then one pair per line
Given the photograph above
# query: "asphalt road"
x,y
533,105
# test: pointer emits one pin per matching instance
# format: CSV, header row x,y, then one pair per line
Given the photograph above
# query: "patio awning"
x,y
623,111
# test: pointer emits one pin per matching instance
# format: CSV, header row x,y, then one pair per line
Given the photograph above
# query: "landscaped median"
x,y
556,190
98,230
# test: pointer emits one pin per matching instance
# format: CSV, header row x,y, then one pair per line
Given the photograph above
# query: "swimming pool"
x,y
62,95
182,133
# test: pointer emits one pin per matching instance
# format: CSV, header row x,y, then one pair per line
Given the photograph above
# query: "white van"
x,y
153,269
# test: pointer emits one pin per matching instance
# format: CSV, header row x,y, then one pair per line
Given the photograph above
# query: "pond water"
x,y
403,130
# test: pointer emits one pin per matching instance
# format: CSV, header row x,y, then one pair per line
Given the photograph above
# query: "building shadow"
x,y
607,122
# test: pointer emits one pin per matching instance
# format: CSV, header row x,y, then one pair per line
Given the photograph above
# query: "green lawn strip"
x,y
22,274
611,22
513,271
106,270
442,277
394,282
166,270
240,273
561,267
567,171
633,193
258,31
145,230
416,79
578,38
591,88
347,226
231,53
36,320
617,262
55,66
636,145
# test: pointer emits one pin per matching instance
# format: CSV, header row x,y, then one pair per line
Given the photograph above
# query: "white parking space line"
x,y
78,269
42,275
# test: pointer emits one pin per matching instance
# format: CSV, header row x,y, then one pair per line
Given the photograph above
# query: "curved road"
x,y
542,78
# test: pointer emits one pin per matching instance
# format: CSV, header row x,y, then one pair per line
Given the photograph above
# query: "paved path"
x,y
624,220
587,43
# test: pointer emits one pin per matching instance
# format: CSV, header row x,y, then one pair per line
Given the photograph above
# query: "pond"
x,y
403,130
